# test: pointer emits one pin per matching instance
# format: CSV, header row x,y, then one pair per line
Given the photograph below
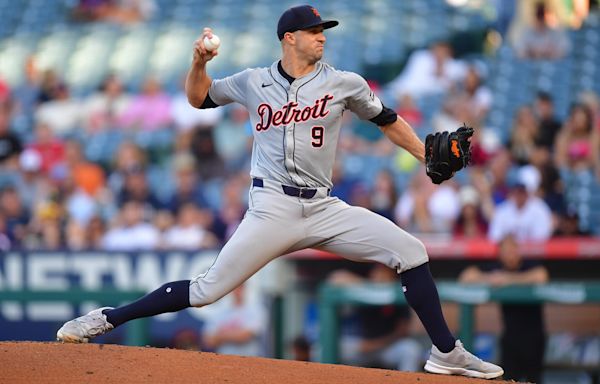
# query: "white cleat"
x,y
83,328
461,362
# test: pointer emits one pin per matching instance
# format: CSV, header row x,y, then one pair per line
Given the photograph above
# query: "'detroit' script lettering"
x,y
290,112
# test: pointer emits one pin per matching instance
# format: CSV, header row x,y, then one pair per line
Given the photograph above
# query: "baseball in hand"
x,y
213,43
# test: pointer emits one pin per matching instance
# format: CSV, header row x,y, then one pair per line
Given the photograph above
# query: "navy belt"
x,y
306,193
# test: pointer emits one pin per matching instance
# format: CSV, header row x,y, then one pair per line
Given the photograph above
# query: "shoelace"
x,y
460,346
94,330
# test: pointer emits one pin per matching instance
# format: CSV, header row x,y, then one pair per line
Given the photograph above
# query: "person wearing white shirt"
x,y
133,233
429,71
523,215
188,234
237,328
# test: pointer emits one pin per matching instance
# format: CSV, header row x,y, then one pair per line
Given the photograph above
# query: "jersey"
x,y
296,126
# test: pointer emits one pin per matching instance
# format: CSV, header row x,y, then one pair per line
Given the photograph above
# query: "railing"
x,y
467,296
137,330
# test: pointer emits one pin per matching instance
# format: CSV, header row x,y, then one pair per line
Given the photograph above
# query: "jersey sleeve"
x,y
362,100
230,89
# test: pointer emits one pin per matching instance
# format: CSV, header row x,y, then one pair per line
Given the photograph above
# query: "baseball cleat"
x,y
461,362
83,328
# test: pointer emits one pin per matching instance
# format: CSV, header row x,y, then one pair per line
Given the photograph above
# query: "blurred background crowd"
x,y
99,148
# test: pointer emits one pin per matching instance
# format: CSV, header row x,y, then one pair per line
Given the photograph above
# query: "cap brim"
x,y
326,24
329,23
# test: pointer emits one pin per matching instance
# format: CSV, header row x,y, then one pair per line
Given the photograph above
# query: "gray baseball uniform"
x,y
296,128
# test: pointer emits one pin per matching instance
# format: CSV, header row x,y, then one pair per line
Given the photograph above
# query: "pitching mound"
x,y
32,362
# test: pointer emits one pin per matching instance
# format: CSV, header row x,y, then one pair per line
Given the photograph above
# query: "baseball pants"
x,y
277,223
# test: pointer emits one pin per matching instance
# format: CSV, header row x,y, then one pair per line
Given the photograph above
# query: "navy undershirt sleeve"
x,y
208,103
385,117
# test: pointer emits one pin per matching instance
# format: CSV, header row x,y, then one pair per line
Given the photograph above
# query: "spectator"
x,y
131,11
89,10
51,149
493,181
51,234
523,135
232,207
549,125
5,243
32,185
476,97
82,174
237,328
574,142
471,222
188,234
5,92
233,137
485,144
95,232
552,188
10,144
131,233
148,111
129,156
342,183
210,165
523,337
187,186
411,212
136,188
116,11
384,194
568,226
187,118
75,236
540,41
49,85
408,110
591,100
103,108
523,215
383,331
26,94
428,208
429,71
45,227
163,220
16,217
62,114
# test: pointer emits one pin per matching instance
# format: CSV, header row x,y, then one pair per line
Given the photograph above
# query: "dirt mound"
x,y
33,362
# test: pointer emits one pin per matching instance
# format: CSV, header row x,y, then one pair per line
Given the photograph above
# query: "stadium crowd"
x,y
55,196
124,169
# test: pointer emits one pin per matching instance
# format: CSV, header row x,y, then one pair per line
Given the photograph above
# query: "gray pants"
x,y
276,224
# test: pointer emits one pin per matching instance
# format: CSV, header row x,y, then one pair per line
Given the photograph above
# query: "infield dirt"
x,y
36,362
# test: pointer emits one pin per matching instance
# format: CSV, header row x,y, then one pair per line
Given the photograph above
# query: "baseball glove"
x,y
447,152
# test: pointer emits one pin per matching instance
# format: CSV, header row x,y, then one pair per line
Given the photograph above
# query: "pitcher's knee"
x,y
201,295
415,254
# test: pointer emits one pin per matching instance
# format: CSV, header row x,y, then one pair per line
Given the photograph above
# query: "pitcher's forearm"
x,y
197,84
402,134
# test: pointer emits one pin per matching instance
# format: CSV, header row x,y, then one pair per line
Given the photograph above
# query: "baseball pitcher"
x,y
296,107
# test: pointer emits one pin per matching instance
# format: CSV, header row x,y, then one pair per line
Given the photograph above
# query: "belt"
x,y
306,193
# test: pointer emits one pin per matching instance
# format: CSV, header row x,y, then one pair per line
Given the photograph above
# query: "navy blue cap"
x,y
301,17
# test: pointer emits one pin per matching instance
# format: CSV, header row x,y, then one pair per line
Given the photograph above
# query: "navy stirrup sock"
x,y
171,297
422,295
